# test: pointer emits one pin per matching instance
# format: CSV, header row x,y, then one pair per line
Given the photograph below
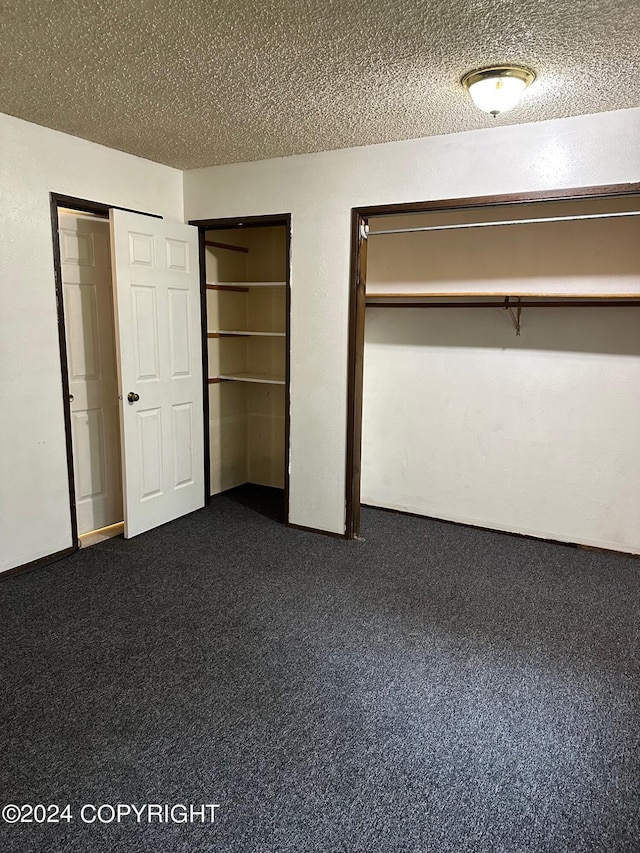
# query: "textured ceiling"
x,y
195,83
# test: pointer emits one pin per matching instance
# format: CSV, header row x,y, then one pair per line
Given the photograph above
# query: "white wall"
x,y
462,420
320,189
34,503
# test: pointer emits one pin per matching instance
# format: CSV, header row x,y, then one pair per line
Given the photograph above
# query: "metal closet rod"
x,y
506,222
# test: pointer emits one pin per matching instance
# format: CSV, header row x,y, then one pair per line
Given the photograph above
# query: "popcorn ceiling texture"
x,y
194,83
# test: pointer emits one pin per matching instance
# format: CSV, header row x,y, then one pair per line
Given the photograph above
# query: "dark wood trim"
x,y
287,370
267,221
64,365
81,205
354,376
202,260
86,206
316,530
500,532
41,561
357,303
215,245
597,549
576,193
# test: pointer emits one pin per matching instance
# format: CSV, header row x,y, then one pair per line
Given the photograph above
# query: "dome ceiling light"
x,y
499,88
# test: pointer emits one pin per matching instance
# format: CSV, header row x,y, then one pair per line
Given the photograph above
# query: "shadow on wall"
x,y
614,331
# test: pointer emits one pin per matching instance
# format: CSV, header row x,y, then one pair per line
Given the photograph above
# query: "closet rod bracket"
x,y
515,318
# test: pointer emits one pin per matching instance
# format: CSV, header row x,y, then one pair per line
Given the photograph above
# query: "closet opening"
x,y
245,285
514,417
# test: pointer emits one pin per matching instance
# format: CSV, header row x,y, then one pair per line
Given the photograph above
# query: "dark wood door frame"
x,y
80,205
357,304
240,222
357,290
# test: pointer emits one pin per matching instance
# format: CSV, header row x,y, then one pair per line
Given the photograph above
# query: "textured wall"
x,y
320,189
34,503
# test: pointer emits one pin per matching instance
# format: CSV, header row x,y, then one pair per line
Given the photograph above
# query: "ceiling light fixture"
x,y
498,89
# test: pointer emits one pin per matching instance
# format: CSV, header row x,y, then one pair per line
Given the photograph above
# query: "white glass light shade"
x,y
496,90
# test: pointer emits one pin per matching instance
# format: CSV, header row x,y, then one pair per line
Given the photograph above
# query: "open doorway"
x,y
89,368
246,320
85,265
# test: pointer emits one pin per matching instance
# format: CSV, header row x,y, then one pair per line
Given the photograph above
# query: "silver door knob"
x,y
132,397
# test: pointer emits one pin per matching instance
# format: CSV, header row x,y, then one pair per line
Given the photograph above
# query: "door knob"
x,y
71,398
132,397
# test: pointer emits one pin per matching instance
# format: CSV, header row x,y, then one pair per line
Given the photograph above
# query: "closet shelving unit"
x,y
246,375
247,347
514,302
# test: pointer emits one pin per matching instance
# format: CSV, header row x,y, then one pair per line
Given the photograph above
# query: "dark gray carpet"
x,y
433,688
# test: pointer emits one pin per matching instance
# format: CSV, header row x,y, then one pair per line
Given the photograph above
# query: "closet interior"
x,y
559,250
247,346
500,357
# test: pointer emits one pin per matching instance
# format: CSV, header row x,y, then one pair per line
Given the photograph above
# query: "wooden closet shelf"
x,y
573,302
260,378
235,287
479,295
224,333
244,285
517,305
249,333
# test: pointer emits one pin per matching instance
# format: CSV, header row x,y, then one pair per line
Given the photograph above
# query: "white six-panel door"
x,y
157,300
88,309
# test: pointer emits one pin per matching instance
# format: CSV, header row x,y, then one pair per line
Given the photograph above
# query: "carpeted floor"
x,y
433,688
